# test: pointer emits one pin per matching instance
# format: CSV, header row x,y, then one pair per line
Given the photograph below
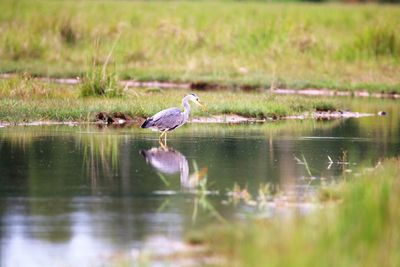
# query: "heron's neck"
x,y
184,172
186,107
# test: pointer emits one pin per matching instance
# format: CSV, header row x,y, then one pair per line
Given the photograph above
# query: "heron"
x,y
169,119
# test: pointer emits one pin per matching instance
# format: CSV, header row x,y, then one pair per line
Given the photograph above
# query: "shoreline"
x,y
206,86
220,119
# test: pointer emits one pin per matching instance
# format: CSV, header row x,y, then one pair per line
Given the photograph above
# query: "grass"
x,y
228,42
26,99
360,229
98,82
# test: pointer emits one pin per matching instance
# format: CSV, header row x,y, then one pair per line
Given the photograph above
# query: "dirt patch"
x,y
112,118
203,86
117,119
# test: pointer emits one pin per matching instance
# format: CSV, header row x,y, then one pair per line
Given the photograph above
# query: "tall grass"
x,y
68,31
291,45
359,230
23,87
379,41
98,82
18,47
374,42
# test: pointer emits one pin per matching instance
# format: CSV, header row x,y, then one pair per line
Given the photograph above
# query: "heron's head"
x,y
195,99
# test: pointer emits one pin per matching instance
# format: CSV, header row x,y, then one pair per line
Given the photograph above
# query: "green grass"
x,y
359,229
228,42
26,99
100,82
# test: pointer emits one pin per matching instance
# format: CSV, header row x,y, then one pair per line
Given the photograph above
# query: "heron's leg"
x,y
162,145
165,139
162,134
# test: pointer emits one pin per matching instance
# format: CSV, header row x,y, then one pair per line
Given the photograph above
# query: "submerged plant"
x,y
237,194
266,193
202,201
201,193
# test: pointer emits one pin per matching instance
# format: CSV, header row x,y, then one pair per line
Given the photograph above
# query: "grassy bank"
x,y
360,229
255,43
24,99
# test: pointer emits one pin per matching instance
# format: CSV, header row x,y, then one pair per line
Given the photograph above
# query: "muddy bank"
x,y
205,86
318,115
120,119
328,92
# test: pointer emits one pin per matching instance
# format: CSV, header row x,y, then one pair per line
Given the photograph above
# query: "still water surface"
x,y
78,196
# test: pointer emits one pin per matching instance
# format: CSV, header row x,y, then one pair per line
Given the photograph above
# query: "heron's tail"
x,y
147,123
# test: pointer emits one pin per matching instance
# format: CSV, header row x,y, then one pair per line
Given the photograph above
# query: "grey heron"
x,y
171,118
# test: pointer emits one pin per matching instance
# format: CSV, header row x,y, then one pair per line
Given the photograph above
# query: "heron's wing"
x,y
166,112
168,118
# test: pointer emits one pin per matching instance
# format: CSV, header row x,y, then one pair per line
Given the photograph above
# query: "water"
x,y
83,195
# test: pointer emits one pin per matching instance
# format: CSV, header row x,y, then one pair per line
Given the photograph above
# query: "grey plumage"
x,y
171,118
167,119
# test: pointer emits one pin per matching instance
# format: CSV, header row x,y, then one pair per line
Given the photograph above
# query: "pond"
x,y
82,195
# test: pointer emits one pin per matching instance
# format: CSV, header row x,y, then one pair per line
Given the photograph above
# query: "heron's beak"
x,y
201,105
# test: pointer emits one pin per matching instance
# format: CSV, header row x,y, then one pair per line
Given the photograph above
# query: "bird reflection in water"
x,y
169,161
